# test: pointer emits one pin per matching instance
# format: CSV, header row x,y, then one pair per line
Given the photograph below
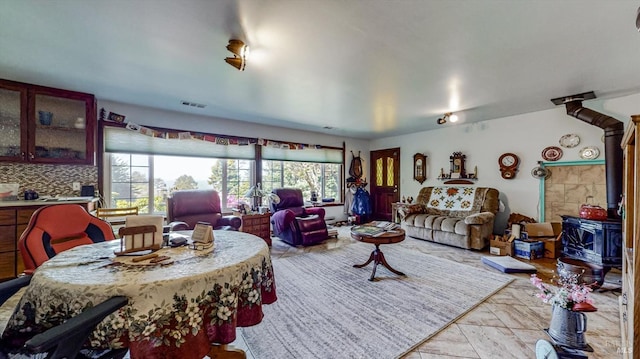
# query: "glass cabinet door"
x,y
13,102
46,125
59,125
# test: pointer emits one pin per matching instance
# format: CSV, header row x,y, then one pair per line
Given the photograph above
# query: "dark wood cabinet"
x,y
13,221
630,298
40,124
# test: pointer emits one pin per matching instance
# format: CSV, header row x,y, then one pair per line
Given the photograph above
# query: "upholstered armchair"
x,y
293,223
187,207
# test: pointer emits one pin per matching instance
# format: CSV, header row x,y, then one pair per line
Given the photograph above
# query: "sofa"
x,y
460,216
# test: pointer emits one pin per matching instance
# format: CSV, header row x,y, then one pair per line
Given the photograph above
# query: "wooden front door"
x,y
385,178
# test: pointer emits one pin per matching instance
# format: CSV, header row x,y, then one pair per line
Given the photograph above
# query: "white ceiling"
x,y
367,68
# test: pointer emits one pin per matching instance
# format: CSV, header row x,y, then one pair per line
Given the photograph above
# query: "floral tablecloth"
x,y
175,310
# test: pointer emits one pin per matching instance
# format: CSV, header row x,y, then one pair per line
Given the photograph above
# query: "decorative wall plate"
x,y
589,153
540,172
569,140
552,153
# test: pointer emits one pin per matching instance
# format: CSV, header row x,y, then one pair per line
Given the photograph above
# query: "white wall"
x,y
167,119
525,135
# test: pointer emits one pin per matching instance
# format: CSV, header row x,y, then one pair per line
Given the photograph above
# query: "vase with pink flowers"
x,y
569,300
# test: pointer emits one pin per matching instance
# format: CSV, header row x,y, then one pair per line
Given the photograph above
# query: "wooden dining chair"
x,y
116,215
138,238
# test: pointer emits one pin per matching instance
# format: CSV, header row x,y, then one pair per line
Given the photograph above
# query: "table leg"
x,y
377,257
225,351
384,263
371,257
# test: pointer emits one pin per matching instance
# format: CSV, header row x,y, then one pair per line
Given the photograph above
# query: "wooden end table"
x,y
256,224
377,257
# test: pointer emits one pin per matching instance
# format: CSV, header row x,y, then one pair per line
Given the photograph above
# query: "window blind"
x,y
309,154
122,140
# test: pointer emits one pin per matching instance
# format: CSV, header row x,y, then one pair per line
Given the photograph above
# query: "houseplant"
x,y
569,300
570,294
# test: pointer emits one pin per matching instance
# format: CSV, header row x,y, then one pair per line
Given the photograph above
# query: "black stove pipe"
x,y
613,133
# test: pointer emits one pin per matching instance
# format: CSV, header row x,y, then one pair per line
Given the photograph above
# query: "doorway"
x,y
385,178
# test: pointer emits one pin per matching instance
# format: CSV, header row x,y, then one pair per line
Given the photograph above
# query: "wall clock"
x,y
419,167
508,165
457,160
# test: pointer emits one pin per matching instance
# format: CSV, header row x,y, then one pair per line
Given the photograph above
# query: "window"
x,y
323,178
129,181
142,169
135,179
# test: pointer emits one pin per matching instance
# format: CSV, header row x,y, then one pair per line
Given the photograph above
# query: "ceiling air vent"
x,y
193,104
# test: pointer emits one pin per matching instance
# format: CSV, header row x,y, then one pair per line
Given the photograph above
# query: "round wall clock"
x,y
508,165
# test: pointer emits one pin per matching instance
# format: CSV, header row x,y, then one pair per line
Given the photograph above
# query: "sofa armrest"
x,y
318,211
178,226
406,209
230,220
479,218
281,220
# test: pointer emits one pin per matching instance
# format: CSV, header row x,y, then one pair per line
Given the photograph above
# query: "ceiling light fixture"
x,y
239,51
449,115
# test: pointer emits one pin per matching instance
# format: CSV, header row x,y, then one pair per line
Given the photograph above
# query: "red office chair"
x,y
56,228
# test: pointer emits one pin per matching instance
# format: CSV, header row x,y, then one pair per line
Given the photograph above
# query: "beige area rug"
x,y
328,309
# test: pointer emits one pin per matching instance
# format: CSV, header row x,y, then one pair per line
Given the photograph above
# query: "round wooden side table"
x,y
377,257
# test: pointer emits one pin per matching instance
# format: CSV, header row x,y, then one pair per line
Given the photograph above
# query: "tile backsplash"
x,y
569,187
48,179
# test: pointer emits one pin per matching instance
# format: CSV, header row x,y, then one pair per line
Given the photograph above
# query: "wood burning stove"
x,y
592,241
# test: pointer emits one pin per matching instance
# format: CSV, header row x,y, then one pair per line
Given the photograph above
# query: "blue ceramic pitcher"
x,y
45,117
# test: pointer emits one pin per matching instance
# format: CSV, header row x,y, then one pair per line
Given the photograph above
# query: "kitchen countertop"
x,y
47,201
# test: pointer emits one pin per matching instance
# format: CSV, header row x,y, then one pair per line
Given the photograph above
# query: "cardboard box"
x,y
550,234
539,229
500,248
552,247
529,249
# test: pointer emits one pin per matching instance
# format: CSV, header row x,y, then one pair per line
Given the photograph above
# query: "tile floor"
x,y
506,325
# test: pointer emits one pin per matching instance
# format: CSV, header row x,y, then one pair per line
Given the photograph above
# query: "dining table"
x,y
180,307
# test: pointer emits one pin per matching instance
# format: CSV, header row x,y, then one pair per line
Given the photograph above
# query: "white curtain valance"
x,y
124,140
307,154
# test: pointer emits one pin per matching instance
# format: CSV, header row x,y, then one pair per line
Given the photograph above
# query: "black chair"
x,y
64,340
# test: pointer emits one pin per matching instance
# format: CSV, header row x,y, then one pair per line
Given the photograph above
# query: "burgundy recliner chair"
x,y
185,208
293,223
